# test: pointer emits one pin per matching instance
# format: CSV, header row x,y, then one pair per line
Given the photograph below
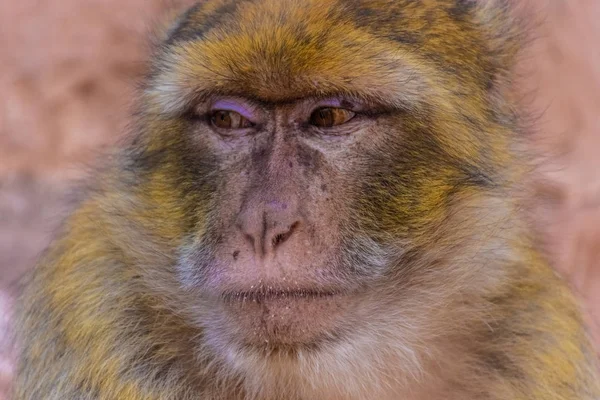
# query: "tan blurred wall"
x,y
66,73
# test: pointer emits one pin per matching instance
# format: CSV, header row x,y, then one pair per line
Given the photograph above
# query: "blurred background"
x,y
67,75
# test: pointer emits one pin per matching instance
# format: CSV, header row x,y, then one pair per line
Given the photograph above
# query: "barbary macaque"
x,y
321,200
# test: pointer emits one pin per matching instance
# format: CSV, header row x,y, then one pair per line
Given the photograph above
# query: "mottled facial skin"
x,y
279,253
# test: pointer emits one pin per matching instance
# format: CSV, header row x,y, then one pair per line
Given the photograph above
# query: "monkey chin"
x,y
282,320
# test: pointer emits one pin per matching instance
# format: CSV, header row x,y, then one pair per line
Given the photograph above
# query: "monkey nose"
x,y
268,226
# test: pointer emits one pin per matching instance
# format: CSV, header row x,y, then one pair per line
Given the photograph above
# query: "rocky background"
x,y
67,69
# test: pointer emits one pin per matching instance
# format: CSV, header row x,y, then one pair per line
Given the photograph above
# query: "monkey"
x,y
321,199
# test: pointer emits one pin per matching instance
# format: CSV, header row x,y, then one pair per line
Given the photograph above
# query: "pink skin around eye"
x,y
232,105
330,103
337,103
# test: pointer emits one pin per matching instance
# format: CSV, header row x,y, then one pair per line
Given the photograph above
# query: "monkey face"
x,y
313,161
280,250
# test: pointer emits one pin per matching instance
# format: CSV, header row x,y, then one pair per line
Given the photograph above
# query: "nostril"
x,y
250,238
282,237
263,232
279,239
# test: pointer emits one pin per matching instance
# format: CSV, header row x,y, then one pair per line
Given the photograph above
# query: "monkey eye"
x,y
326,117
226,119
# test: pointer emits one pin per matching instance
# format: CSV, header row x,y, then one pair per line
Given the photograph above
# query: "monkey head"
x,y
318,173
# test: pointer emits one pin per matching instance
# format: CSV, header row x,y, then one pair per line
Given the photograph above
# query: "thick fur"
x,y
461,305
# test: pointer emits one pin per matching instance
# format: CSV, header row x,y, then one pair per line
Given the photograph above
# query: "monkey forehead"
x,y
393,51
281,50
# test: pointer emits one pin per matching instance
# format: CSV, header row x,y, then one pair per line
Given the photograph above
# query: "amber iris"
x,y
327,117
226,119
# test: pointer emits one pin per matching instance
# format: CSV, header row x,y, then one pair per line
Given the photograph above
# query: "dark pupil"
x,y
223,119
324,117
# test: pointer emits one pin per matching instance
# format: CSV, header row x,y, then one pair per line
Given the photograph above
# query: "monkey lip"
x,y
275,294
285,317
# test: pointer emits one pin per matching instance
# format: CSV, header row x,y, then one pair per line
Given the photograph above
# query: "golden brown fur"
x,y
413,217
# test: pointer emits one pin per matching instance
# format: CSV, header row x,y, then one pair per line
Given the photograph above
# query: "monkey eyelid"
x,y
362,107
245,110
336,102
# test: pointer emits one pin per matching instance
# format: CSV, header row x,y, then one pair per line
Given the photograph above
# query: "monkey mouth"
x,y
284,317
